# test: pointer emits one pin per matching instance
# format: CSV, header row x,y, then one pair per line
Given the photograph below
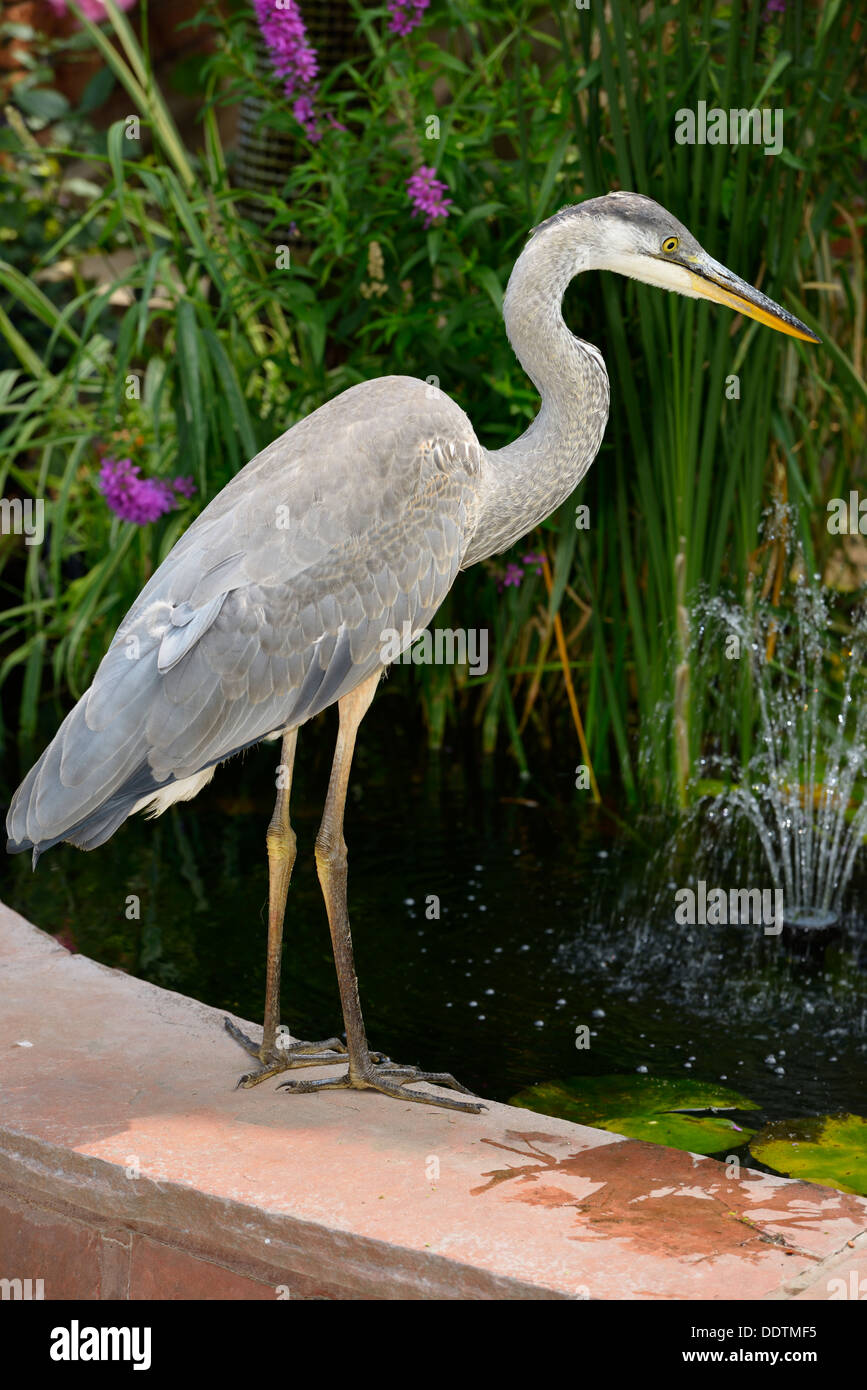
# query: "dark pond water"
x,y
550,917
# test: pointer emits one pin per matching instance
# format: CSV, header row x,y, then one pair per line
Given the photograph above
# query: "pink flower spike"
x,y
130,497
426,195
292,57
406,15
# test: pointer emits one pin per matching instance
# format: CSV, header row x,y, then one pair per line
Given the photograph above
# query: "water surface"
x,y
550,917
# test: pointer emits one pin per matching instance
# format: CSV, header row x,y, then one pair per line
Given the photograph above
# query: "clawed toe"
x,y
378,1074
241,1038
391,1080
285,1055
436,1078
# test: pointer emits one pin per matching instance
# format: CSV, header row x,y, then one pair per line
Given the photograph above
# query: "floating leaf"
x,y
830,1149
645,1107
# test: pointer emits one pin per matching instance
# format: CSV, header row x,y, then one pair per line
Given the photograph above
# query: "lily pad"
x,y
645,1107
830,1149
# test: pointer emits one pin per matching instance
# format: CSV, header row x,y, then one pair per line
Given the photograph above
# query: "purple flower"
x,y
286,37
535,560
184,486
406,15
426,195
302,110
513,575
292,56
133,498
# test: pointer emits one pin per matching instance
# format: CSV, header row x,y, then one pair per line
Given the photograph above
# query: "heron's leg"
x,y
331,859
281,845
367,1071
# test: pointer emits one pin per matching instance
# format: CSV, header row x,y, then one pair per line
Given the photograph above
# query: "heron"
x,y
274,603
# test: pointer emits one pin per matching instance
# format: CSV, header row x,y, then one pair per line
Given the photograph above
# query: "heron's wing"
x,y
276,602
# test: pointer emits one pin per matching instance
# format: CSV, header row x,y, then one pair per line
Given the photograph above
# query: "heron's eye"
x,y
671,243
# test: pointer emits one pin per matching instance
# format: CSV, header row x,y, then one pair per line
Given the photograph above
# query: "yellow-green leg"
x,y
273,1054
367,1071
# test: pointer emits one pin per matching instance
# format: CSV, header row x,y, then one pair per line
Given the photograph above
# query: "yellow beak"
x,y
710,280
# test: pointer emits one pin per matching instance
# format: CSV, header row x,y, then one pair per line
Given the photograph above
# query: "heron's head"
x,y
634,236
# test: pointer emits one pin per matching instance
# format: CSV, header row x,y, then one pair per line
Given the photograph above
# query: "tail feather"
x,y
26,830
88,779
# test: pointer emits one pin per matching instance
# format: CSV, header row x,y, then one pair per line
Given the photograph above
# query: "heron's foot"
x,y
390,1080
285,1056
282,1058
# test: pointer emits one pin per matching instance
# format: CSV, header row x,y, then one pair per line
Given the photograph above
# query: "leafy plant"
x,y
829,1149
645,1107
210,340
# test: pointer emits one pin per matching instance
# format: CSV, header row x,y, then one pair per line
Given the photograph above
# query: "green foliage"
x,y
830,1149
536,108
645,1107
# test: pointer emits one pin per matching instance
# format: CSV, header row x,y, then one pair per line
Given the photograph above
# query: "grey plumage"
x,y
261,617
274,602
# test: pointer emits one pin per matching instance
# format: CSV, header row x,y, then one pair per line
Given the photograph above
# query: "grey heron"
x,y
356,521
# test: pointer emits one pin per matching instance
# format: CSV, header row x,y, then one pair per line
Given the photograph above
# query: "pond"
x,y
552,918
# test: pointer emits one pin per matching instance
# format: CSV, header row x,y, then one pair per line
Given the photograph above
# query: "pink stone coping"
x,y
129,1161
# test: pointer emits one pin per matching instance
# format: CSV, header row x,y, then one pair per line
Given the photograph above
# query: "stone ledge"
x,y
130,1168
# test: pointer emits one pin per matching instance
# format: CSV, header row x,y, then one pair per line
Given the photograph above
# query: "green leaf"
x,y
33,299
97,91
793,161
7,381
645,1107
827,17
779,65
232,392
829,1149
42,102
487,278
482,210
190,396
444,59
555,164
115,157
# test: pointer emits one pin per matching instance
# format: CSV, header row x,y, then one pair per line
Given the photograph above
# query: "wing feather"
x,y
271,606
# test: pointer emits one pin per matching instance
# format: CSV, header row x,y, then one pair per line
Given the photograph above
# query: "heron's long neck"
x,y
528,479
